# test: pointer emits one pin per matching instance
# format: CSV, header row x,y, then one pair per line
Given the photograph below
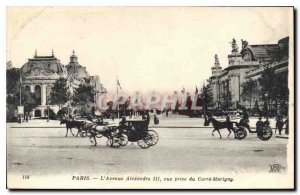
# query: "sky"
x,y
159,49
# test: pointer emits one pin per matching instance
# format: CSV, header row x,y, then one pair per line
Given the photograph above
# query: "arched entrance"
x,y
37,113
37,91
27,88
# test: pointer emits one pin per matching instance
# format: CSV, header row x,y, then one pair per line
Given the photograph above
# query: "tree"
x,y
274,87
207,97
247,91
29,100
268,83
12,92
12,81
83,96
256,108
59,94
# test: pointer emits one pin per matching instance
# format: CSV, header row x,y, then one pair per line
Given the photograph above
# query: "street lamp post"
x,y
267,100
48,107
70,86
239,80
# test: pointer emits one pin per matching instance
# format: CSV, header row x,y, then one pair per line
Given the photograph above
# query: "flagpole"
x,y
20,88
118,98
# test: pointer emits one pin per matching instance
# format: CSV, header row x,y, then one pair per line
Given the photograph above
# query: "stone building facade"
x,y
41,72
226,84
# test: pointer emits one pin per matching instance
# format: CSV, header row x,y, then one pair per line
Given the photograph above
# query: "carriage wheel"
x,y
111,142
241,133
123,140
265,133
152,139
83,134
143,143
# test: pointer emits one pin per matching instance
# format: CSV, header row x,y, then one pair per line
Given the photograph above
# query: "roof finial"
x,y
217,60
35,53
52,52
73,52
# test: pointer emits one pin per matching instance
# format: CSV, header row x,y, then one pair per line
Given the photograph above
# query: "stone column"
x,y
32,88
44,94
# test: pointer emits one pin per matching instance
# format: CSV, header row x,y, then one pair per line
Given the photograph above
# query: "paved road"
x,y
43,151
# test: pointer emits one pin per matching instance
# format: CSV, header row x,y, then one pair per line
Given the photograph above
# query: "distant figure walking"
x,y
259,124
26,118
279,124
156,120
146,117
286,126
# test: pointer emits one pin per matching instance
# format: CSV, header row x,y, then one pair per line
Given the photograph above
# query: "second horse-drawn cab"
x,y
134,130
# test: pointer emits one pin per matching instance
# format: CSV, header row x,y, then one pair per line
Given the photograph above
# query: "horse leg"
x,y
95,144
229,132
212,133
219,133
72,132
67,132
78,132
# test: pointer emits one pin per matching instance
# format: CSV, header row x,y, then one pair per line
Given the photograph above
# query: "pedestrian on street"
x,y
26,118
259,124
279,123
267,123
228,119
147,117
156,120
286,126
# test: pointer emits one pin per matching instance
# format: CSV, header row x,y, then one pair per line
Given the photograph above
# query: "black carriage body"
x,y
136,130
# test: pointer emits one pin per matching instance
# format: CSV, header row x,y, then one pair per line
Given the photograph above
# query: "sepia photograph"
x,y
150,97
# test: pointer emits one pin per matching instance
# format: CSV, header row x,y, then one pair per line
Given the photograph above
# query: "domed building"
x,y
41,72
226,84
38,75
75,69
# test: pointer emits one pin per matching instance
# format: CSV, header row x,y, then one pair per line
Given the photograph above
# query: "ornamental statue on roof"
x,y
244,43
234,46
216,59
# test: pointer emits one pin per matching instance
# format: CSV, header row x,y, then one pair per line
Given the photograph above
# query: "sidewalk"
x,y
34,123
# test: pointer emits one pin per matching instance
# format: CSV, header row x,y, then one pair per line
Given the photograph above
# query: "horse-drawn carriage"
x,y
263,130
118,134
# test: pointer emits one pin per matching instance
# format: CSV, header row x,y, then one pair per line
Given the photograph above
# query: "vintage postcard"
x,y
150,98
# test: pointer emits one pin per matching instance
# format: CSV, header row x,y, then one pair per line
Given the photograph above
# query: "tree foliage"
x,y
59,94
247,90
12,81
29,100
83,95
207,97
273,86
13,84
82,98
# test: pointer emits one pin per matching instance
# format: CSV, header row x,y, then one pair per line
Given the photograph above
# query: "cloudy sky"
x,y
157,49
